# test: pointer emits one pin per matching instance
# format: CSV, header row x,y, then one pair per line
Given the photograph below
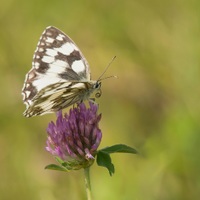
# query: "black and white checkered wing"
x,y
57,60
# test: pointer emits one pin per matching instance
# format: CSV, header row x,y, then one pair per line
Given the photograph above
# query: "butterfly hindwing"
x,y
57,96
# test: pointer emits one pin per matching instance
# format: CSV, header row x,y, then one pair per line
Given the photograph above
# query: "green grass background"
x,y
153,106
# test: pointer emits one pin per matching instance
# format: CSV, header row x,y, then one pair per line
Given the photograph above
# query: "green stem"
x,y
87,183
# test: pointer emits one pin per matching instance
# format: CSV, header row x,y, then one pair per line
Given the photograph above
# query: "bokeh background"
x,y
153,106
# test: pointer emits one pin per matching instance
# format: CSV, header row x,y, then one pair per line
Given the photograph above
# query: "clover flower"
x,y
75,137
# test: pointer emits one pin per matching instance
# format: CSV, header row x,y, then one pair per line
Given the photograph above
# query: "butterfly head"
x,y
97,87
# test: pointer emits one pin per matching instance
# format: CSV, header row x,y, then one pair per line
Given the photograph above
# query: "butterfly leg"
x,y
78,103
92,100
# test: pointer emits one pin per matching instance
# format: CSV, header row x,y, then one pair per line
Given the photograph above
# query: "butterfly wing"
x,y
58,96
57,59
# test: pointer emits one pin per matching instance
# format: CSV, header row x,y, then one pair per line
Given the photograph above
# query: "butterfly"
x,y
59,77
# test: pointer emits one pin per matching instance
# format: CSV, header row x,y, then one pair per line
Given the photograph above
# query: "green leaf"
x,y
104,160
56,167
119,148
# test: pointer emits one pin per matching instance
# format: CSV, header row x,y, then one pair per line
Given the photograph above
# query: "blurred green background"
x,y
153,106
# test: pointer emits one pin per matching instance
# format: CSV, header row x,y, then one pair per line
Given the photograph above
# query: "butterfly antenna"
x,y
108,77
106,70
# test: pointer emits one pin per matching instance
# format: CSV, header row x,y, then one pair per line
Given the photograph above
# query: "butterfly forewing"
x,y
57,69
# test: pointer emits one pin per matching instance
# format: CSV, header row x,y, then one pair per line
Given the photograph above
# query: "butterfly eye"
x,y
97,85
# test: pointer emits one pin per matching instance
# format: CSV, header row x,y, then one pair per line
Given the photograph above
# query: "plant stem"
x,y
87,183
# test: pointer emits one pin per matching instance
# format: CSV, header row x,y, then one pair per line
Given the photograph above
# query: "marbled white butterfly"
x,y
59,77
